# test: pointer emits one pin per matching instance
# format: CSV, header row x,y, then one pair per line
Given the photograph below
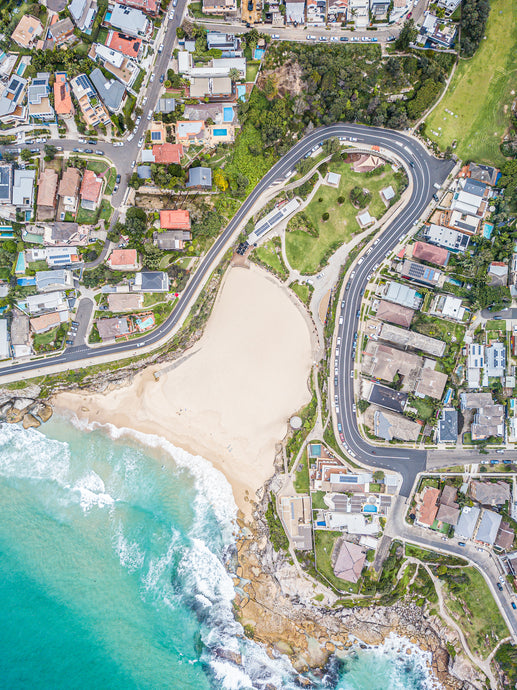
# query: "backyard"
x,y
472,605
324,543
474,112
308,251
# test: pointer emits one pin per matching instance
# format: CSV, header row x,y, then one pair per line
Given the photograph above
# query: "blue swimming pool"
x,y
21,69
220,132
258,53
488,229
20,263
369,508
228,114
241,92
455,281
23,282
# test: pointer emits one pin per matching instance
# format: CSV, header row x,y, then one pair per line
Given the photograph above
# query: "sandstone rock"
x,y
29,420
14,416
330,647
229,655
43,411
22,403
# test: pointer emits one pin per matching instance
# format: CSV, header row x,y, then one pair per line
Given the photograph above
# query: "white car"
x,y
339,341
140,142
171,15
131,137
138,120
152,78
334,38
275,36
133,163
160,49
118,143
354,409
323,39
311,38
144,101
149,114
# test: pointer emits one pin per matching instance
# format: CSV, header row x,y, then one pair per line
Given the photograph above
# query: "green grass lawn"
x,y
425,408
480,93
317,500
110,181
471,604
301,478
102,35
252,69
98,166
303,291
308,253
106,210
324,544
270,255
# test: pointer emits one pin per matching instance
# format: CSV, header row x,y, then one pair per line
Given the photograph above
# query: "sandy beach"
x,y
230,401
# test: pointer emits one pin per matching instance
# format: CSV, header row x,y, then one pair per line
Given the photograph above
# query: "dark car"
x,y
461,543
69,342
88,150
514,605
117,179
342,304
358,314
75,323
343,38
76,150
162,78
92,141
250,6
34,150
499,586
412,164
435,197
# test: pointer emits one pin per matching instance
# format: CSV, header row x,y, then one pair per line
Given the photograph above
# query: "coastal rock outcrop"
x,y
281,606
24,406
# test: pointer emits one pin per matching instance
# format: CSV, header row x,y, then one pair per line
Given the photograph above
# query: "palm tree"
x,y
234,74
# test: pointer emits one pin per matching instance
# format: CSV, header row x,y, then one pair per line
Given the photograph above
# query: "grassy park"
x,y
472,605
481,92
308,252
269,254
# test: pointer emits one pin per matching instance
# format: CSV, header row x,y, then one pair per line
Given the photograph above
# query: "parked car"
x,y
133,163
88,150
150,115
92,141
82,141
152,78
160,49
69,342
75,323
138,120
171,15
144,101
461,543
140,142
343,38
514,605
98,152
499,586
162,78
354,408
275,36
117,179
36,150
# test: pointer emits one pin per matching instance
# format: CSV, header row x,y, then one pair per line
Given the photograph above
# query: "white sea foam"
x,y
28,454
211,485
129,552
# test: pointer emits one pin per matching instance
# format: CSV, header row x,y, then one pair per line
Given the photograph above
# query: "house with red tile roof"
x,y
123,260
127,45
167,153
148,6
91,190
427,507
431,253
175,220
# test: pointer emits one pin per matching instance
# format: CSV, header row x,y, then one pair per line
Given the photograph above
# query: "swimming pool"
x,y
228,114
20,263
259,53
220,132
146,323
21,69
369,509
488,229
23,282
454,281
241,92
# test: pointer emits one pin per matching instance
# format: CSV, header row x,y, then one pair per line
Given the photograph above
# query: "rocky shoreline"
x,y
286,612
24,406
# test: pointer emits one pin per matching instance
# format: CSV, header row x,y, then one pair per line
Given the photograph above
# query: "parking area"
x,y
81,322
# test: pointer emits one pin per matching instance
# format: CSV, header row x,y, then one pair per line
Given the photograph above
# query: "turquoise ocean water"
x,y
115,560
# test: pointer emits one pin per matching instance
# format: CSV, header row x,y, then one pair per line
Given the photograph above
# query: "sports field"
x,y
475,110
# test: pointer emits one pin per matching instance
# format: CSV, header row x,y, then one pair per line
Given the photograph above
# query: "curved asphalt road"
x,y
425,172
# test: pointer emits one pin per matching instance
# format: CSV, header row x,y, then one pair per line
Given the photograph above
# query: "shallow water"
x,y
114,572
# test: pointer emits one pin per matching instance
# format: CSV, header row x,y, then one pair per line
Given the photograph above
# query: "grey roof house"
x,y
151,281
111,91
200,178
448,426
6,182
83,13
490,493
467,522
23,187
60,279
166,105
129,21
488,527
